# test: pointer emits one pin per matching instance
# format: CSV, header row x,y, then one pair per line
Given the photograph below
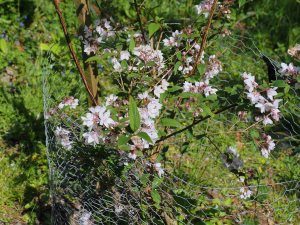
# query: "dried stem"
x,y
79,68
204,37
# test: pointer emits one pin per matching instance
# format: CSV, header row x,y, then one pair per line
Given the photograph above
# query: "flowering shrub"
x,y
162,82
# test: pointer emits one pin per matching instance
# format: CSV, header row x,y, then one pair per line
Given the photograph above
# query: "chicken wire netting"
x,y
201,181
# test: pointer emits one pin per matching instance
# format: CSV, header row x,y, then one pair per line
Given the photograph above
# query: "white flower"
x,y
132,156
109,100
245,193
144,95
254,97
187,86
249,81
85,218
271,92
158,169
275,114
116,65
92,138
153,108
89,47
124,55
289,69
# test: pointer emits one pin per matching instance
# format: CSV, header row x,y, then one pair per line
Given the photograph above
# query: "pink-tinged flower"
x,y
267,145
63,137
147,54
245,193
267,120
159,169
69,101
204,7
289,69
271,92
124,55
98,115
92,138
275,114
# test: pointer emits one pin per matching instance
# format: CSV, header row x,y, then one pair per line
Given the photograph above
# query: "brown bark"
x,y
90,68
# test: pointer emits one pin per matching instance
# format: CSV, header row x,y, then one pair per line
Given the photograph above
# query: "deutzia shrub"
x,y
165,91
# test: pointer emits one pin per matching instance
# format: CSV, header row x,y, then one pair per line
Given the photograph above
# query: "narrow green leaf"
x,y
242,2
134,116
3,45
167,122
155,196
145,136
152,28
93,58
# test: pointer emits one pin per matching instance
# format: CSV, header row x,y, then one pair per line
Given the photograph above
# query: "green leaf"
x,y
279,83
93,58
145,136
155,196
3,45
167,122
242,2
123,140
152,28
131,44
134,116
124,147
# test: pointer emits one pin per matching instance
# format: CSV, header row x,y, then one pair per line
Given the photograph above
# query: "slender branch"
x,y
79,68
204,38
195,123
138,12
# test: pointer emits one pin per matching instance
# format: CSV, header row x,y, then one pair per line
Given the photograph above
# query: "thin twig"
x,y
138,12
204,38
79,68
195,123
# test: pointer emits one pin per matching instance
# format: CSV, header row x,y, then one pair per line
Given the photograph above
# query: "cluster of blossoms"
x,y
267,146
289,70
147,54
204,7
214,67
93,38
63,137
174,40
143,54
69,101
245,192
268,106
97,120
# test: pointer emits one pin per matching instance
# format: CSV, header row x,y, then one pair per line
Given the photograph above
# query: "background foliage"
x,y
28,28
